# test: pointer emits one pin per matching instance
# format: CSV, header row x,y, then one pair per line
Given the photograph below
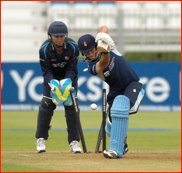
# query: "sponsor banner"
x,y
21,83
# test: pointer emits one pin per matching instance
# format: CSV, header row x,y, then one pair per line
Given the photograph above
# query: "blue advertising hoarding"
x,y
21,83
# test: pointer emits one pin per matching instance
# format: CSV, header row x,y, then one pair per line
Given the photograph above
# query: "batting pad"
x,y
108,127
120,119
43,122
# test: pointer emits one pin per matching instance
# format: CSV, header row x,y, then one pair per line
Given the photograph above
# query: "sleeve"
x,y
72,68
45,63
92,69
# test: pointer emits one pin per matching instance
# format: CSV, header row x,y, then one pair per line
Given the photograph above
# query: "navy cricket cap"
x,y
86,43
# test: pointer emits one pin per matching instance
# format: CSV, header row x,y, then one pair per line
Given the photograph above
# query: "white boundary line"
x,y
17,107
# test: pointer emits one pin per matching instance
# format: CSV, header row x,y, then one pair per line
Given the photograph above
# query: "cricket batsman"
x,y
125,90
58,61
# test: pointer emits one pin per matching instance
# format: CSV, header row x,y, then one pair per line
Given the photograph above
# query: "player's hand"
x,y
60,92
65,90
104,42
56,100
57,97
68,101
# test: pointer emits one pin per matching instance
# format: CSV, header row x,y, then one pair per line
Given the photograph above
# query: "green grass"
x,y
153,56
149,151
150,56
14,168
90,119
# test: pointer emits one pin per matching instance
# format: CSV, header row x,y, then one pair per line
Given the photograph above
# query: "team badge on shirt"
x,y
67,57
53,60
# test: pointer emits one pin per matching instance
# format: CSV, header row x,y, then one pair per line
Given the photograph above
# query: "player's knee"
x,y
136,104
47,103
120,107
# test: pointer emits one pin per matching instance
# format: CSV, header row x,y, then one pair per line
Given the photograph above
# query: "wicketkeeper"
x,y
125,90
58,61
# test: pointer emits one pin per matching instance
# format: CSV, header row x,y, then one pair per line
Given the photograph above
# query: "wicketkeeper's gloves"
x,y
60,92
104,37
65,85
56,92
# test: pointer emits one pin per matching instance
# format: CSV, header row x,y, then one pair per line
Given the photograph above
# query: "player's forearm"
x,y
103,62
48,76
47,71
103,29
70,74
71,70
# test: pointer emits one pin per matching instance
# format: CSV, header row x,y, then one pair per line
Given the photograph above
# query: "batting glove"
x,y
105,37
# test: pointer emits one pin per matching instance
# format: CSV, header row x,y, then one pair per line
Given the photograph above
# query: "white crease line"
x,y
25,155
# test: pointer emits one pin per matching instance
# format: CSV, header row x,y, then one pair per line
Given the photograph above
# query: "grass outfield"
x,y
149,151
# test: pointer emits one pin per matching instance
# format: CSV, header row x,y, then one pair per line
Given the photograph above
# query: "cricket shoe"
x,y
125,148
41,145
75,147
111,154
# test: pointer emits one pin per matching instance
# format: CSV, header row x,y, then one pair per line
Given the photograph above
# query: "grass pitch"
x,y
149,151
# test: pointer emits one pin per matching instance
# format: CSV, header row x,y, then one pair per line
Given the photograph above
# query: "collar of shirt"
x,y
53,48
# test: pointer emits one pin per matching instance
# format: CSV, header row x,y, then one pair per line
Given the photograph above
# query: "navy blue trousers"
x,y
132,91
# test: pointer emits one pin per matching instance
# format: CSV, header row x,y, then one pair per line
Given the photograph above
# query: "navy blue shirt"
x,y
118,74
59,66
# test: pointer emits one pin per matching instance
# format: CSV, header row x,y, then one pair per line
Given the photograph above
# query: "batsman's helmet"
x,y
57,28
86,43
